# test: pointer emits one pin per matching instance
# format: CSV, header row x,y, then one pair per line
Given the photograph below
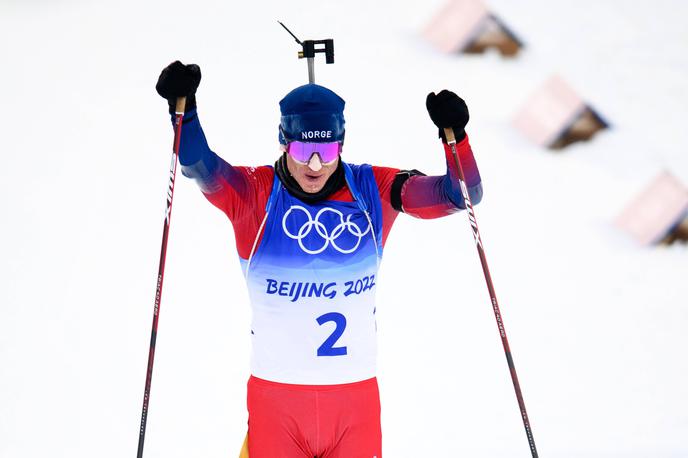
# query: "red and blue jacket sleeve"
x,y
240,192
429,197
435,196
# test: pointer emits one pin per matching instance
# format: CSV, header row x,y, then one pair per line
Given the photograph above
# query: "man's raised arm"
x,y
233,190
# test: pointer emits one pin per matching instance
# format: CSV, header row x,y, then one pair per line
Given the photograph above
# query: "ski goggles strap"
x,y
303,151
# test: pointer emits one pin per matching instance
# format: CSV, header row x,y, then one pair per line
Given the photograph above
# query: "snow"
x,y
595,322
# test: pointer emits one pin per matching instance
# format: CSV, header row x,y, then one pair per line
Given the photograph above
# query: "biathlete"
x,y
310,233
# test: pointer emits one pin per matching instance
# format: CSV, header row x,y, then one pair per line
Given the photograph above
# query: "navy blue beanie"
x,y
311,113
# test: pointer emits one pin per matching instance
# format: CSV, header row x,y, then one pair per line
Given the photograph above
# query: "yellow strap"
x,y
244,448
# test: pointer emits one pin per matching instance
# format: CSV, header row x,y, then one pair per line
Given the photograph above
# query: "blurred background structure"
x,y
555,116
468,26
659,214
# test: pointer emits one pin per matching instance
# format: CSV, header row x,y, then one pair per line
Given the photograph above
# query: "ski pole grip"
x,y
181,105
449,135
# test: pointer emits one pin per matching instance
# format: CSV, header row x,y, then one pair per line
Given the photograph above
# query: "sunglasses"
x,y
302,152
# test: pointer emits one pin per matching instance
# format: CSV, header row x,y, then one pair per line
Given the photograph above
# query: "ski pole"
x,y
451,140
179,116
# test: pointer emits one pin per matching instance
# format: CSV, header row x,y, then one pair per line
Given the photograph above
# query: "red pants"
x,y
314,421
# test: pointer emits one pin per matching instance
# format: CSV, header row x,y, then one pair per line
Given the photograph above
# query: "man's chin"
x,y
311,189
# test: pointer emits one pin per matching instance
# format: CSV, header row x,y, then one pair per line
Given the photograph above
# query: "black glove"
x,y
448,110
179,80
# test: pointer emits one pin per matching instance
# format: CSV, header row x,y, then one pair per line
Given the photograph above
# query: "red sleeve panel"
x,y
430,197
242,195
240,192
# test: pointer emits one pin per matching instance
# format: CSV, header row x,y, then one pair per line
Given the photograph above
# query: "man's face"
x,y
312,176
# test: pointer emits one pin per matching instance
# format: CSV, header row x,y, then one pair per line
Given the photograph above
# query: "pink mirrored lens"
x,y
302,152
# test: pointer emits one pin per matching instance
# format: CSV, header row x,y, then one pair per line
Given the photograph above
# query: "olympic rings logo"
x,y
320,229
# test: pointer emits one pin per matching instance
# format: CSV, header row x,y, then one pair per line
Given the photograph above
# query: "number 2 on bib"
x,y
328,348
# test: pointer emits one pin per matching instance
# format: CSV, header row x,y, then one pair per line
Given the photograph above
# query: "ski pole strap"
x,y
181,105
449,135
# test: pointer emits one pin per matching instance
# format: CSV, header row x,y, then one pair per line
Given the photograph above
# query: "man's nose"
x,y
314,163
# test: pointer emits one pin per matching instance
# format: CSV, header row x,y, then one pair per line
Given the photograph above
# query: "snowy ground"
x,y
596,323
